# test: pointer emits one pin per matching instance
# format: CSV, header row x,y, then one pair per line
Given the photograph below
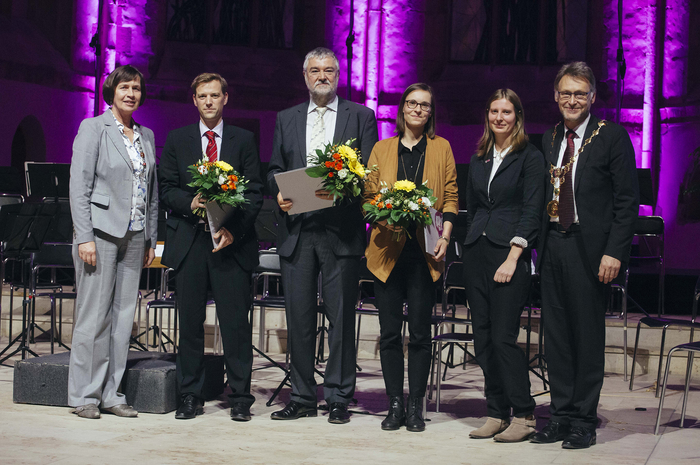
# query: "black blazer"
x,y
344,221
606,191
183,148
514,205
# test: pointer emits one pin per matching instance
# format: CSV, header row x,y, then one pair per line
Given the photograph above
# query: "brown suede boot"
x,y
520,429
492,427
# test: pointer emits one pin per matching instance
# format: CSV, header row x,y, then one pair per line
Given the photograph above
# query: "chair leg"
x,y
634,355
663,392
432,372
438,363
688,375
624,331
261,329
661,359
357,339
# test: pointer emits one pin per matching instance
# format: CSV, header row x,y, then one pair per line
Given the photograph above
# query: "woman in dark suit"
x,y
403,269
114,204
505,191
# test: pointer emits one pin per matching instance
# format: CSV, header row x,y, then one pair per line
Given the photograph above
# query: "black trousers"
x,y
410,280
573,308
496,309
231,287
340,276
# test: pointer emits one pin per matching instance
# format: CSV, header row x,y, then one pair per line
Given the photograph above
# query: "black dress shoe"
x,y
414,415
293,411
240,412
396,417
552,432
338,413
579,438
189,408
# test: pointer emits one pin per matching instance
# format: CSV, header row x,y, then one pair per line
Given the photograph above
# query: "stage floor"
x,y
50,435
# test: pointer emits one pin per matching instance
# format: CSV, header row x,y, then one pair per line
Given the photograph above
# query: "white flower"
x,y
413,206
383,190
355,180
426,201
222,179
202,169
342,174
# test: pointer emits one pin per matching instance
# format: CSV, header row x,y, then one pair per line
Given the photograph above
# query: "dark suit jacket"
x,y
605,189
344,221
183,148
514,205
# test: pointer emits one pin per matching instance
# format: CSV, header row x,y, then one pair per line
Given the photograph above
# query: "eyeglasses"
x,y
412,104
579,96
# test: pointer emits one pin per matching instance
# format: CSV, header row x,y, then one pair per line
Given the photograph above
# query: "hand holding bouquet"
x,y
341,169
217,182
402,205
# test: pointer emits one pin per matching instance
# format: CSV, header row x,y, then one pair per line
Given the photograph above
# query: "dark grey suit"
x,y
100,200
330,241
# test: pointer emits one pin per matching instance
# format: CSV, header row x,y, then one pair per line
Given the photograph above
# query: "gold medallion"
x,y
556,191
553,209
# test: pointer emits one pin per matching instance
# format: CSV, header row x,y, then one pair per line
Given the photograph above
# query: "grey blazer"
x,y
101,181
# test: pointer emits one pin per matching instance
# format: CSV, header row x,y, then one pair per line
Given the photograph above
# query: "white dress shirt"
x,y
328,121
580,131
218,131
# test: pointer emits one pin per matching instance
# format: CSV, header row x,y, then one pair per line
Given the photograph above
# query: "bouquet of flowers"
x,y
217,182
402,205
341,169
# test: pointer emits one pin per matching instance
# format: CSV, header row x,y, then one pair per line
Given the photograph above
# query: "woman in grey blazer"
x,y
114,204
505,193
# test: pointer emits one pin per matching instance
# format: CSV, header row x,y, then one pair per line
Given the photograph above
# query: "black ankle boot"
x,y
414,414
396,417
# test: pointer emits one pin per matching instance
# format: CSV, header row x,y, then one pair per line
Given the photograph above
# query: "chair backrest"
x,y
269,262
649,226
9,199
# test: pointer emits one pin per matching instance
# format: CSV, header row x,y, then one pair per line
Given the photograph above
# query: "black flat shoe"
x,y
396,417
338,413
414,415
293,411
552,432
579,438
240,412
190,408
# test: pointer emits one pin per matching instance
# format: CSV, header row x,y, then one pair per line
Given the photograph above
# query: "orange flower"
x,y
224,187
336,156
377,197
339,165
388,205
380,205
232,186
373,202
329,164
419,201
330,175
233,178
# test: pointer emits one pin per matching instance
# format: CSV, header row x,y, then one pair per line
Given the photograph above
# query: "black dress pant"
x,y
496,309
231,287
573,308
410,280
339,278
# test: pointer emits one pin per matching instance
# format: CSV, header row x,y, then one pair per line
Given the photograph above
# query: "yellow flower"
x,y
347,152
356,167
223,165
404,185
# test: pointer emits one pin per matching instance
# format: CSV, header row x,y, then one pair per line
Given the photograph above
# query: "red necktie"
x,y
566,192
211,146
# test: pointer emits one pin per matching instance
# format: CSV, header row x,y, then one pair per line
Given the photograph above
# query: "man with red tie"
x,y
225,269
591,202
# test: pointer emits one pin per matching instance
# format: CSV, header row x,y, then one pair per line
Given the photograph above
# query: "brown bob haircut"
x,y
429,128
518,139
126,73
205,78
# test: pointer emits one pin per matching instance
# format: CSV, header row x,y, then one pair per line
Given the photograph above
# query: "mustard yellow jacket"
x,y
439,170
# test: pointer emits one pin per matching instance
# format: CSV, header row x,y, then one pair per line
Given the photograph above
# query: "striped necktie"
x,y
211,146
318,136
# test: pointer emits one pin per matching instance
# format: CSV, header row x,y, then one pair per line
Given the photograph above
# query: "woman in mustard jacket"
x,y
403,270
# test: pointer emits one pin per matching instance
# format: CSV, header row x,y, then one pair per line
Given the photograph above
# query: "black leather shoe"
x,y
338,413
396,417
414,415
579,438
552,432
293,411
189,408
240,412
